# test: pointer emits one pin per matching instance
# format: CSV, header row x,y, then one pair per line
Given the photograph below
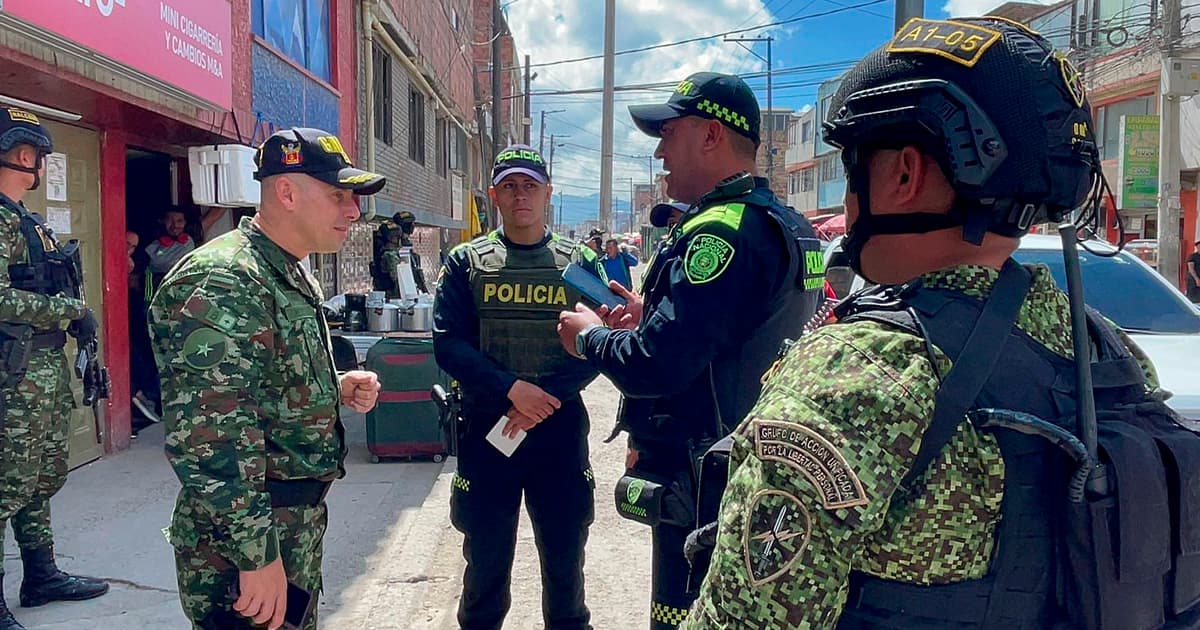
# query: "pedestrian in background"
x,y
1193,274
35,408
617,261
251,397
494,317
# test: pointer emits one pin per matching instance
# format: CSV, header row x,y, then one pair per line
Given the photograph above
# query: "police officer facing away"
x,y
739,273
495,312
858,494
251,397
34,275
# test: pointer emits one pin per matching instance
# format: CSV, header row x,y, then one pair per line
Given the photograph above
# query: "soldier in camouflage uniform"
x,y
33,445
821,525
250,394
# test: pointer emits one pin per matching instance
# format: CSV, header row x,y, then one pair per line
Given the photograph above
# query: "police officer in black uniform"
x,y
407,222
494,317
39,287
739,273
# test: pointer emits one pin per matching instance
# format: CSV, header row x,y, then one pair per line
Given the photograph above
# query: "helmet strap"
x,y
32,170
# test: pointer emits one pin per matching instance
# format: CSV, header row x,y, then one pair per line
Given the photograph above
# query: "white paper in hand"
x,y
504,444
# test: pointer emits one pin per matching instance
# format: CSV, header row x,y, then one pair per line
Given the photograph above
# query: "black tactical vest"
x,y
1126,562
48,271
519,294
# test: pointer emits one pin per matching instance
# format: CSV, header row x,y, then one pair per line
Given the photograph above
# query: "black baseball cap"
x,y
519,158
660,215
318,154
722,97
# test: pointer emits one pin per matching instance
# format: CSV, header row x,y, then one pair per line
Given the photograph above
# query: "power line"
x,y
842,9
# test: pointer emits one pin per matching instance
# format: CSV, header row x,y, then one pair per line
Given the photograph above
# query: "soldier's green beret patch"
x,y
204,348
777,529
707,257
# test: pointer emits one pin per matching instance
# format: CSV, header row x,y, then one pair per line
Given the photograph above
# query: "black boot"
x,y
7,621
44,582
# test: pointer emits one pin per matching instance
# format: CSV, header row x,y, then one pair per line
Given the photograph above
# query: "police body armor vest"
x,y
735,375
1129,561
49,270
519,294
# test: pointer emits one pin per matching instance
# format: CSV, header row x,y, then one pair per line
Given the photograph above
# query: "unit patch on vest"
x,y
707,258
814,457
957,41
204,348
777,529
523,293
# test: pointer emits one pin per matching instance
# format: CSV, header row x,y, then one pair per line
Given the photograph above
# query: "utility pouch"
x,y
16,343
653,500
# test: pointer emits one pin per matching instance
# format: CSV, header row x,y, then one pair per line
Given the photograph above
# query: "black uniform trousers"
x,y
551,470
669,568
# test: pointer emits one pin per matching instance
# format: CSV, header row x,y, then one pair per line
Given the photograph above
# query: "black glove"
x,y
85,327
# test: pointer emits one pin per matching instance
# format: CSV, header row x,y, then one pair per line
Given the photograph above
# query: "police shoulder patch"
x,y
813,456
776,531
707,257
204,348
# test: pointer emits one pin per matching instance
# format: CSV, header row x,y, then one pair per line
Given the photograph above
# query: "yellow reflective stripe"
x,y
669,615
729,214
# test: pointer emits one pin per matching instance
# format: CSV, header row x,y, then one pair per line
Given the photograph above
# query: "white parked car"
x,y
1125,289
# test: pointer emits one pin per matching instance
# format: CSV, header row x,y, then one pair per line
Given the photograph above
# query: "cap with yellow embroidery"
x,y
318,154
722,97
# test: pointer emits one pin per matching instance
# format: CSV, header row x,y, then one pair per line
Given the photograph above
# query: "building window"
x,y
443,147
806,180
826,103
1108,123
806,131
416,125
297,28
381,91
831,169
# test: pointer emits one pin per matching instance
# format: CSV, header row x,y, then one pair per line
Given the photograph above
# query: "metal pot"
x,y
417,318
383,318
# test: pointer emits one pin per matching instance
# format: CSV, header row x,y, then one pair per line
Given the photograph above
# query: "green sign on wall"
x,y
1138,166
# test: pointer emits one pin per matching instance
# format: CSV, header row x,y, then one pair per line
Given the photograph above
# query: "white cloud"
x,y
550,30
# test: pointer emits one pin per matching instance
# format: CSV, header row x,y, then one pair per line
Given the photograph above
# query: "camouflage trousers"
x,y
33,447
205,576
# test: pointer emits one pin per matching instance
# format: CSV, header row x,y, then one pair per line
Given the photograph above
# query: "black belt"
x,y
54,339
297,492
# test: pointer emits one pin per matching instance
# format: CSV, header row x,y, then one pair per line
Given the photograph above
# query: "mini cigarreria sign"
x,y
184,43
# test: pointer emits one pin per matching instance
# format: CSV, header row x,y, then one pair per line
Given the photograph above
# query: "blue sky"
x,y
555,30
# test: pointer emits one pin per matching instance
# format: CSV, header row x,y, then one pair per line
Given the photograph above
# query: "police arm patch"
x,y
707,257
813,456
204,348
777,529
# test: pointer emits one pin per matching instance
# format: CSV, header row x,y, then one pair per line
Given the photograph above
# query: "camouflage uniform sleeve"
x,y
213,341
1152,382
814,468
50,312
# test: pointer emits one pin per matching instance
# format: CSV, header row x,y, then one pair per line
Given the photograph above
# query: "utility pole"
x,y
550,162
629,227
560,210
542,128
770,102
908,9
527,121
497,18
1169,210
606,126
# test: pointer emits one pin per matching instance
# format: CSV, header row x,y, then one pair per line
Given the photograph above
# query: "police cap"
x,y
1003,113
318,154
18,127
722,97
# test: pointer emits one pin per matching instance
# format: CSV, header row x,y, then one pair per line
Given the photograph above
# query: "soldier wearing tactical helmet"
x,y
858,497
34,282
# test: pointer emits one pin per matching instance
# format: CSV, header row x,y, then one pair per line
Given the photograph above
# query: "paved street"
x,y
392,559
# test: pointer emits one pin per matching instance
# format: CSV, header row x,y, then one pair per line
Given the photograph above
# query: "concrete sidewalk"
x,y
108,521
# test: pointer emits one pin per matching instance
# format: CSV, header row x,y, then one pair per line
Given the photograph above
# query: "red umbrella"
x,y
835,226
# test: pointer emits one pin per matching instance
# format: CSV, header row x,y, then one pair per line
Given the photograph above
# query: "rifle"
x,y
87,358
